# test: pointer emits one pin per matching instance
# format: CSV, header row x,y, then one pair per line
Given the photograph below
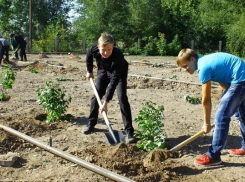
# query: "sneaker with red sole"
x,y
237,152
205,160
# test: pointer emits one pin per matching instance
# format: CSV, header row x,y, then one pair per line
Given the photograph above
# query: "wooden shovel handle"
x,y
189,140
99,102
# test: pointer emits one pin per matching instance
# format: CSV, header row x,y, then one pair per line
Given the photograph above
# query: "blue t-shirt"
x,y
221,67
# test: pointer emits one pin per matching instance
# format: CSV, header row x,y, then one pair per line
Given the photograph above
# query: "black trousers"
x,y
16,53
102,82
23,53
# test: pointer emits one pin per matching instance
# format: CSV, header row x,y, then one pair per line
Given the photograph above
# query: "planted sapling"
x,y
150,132
54,100
7,79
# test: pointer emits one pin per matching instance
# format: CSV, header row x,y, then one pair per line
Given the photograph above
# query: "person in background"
x,y
4,49
14,47
112,71
21,45
229,71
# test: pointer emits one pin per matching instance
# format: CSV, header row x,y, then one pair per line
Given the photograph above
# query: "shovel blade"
x,y
118,135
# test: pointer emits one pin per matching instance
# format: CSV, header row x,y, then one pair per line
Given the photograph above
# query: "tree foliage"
x,y
205,21
14,15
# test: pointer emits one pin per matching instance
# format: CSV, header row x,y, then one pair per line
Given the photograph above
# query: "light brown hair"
x,y
185,55
105,39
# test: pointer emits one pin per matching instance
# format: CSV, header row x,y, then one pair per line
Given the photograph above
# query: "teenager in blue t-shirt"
x,y
229,71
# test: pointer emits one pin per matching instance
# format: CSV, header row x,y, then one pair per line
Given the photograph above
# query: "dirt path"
x,y
182,120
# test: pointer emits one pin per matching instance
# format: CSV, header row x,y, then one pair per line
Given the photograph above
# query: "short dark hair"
x,y
11,35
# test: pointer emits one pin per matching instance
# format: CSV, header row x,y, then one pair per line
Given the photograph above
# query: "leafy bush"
x,y
153,46
161,44
7,79
135,50
52,97
174,47
150,127
236,37
150,48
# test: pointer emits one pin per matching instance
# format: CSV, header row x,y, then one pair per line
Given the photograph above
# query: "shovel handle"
x,y
103,113
189,140
98,99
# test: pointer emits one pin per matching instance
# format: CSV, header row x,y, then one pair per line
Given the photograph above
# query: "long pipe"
x,y
153,63
170,80
67,156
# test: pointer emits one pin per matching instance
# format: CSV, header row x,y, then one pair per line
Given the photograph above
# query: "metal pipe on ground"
x,y
69,157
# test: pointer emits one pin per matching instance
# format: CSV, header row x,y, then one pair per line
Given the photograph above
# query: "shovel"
x,y
13,55
113,137
189,140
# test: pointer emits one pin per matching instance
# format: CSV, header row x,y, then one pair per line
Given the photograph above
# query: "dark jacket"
x,y
14,44
19,39
115,65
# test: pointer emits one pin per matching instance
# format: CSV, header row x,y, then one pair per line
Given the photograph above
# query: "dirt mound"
x,y
42,56
144,83
154,160
37,65
50,68
73,56
127,159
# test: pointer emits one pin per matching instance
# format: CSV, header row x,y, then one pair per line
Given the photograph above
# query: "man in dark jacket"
x,y
21,45
112,71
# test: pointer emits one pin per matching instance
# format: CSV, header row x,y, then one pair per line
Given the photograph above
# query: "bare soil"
x,y
182,120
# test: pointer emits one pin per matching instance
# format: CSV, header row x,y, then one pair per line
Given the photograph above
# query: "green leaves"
x,y
192,100
7,77
52,97
3,96
150,127
33,70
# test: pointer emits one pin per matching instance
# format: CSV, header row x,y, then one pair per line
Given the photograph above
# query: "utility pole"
x,y
30,24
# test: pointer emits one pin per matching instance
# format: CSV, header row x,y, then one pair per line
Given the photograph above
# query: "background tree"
x,y
14,16
99,16
179,18
205,21
145,18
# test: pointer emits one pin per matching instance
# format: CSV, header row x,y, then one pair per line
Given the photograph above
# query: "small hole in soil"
x,y
6,99
41,117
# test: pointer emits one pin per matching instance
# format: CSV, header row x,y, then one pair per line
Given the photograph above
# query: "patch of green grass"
x,y
33,70
63,79
192,100
172,77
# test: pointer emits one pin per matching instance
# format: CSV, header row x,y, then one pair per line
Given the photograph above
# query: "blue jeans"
x,y
231,103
